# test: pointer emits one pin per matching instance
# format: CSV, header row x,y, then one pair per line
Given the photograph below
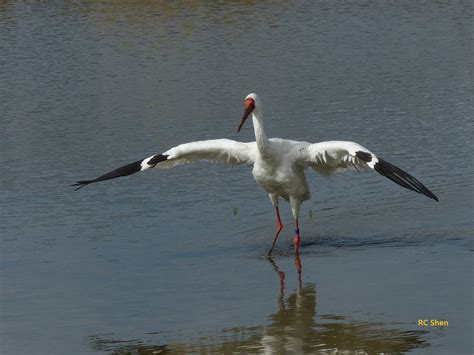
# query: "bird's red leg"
x,y
296,238
279,228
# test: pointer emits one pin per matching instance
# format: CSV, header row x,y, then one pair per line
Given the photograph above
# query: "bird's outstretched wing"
x,y
216,150
329,157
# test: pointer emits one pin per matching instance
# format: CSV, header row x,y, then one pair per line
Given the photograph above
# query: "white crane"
x,y
278,164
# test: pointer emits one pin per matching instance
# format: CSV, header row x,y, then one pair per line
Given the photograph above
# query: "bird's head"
x,y
251,103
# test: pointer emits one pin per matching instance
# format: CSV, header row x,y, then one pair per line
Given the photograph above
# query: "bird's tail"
x,y
125,170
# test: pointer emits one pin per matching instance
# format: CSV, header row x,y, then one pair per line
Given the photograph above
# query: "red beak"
x,y
249,107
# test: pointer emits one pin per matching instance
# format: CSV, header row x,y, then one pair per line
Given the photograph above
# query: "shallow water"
x,y
172,260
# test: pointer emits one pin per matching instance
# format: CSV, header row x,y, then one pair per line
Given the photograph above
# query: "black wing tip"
x,y
402,178
157,159
433,196
367,157
125,170
82,184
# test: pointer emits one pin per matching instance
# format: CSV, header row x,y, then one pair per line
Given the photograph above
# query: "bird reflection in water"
x,y
293,328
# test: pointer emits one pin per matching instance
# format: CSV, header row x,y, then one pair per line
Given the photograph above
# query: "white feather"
x,y
216,150
329,157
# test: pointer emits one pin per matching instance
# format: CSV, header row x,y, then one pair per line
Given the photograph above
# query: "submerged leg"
x,y
298,269
295,208
281,275
279,226
296,238
278,230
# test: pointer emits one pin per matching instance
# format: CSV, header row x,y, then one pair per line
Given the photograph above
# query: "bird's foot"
x,y
296,242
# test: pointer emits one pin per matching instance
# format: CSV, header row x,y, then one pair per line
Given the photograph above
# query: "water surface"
x,y
161,261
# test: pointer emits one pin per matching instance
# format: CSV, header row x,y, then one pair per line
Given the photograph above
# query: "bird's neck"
x,y
263,144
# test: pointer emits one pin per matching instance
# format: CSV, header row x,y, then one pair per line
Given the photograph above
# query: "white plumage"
x,y
214,150
278,164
